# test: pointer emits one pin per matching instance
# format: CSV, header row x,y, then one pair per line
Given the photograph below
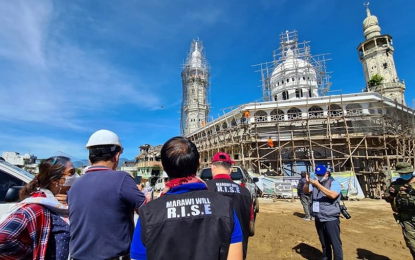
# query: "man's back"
x,y
191,225
241,202
101,212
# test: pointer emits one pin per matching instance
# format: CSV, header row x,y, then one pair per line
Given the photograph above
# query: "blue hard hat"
x,y
320,170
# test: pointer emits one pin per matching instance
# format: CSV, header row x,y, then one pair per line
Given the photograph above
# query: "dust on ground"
x,y
281,233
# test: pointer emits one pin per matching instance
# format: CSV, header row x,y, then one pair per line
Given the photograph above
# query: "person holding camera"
x,y
325,197
401,196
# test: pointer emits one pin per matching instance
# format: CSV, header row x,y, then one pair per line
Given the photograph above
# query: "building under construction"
x,y
195,81
299,125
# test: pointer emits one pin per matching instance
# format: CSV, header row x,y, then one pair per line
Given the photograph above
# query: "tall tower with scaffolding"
x,y
376,56
294,73
195,81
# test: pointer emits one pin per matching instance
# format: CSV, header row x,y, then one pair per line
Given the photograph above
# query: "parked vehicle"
x,y
241,176
160,183
12,179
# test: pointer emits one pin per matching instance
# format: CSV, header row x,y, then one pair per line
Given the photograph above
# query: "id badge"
x,y
316,206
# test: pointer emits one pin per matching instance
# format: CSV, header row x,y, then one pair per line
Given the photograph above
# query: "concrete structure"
x,y
195,81
376,56
26,161
148,164
299,126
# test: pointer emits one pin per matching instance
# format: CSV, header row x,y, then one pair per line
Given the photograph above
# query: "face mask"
x,y
407,176
321,178
69,180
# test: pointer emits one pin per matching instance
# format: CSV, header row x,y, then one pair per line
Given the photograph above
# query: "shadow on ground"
x,y
308,252
298,214
368,255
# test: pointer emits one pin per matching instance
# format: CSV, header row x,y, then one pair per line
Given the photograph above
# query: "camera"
x,y
344,212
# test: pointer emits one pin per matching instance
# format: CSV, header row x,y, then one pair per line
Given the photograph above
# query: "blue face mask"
x,y
407,176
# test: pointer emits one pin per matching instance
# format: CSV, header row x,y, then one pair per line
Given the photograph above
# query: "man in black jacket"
x,y
187,221
241,198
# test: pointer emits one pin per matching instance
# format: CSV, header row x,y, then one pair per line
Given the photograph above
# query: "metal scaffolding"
x,y
299,53
195,81
367,141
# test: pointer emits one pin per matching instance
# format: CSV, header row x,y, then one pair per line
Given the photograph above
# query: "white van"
x,y
161,182
12,178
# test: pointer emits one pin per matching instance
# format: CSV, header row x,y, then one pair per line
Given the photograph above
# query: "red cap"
x,y
222,157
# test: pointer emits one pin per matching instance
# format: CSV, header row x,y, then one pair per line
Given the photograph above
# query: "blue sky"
x,y
69,68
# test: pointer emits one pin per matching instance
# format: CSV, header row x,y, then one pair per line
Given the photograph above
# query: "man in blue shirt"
x,y
325,197
187,221
102,203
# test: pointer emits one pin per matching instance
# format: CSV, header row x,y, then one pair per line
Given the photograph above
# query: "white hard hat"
x,y
165,174
103,137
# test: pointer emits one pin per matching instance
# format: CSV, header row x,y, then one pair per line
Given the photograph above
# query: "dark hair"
x,y
103,153
225,165
49,170
179,157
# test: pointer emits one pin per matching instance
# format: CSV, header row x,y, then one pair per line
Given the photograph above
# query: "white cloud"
x,y
22,34
42,146
49,76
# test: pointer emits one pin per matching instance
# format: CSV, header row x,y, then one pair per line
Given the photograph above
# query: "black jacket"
x,y
192,225
241,201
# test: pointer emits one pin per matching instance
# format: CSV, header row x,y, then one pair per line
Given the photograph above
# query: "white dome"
x,y
293,73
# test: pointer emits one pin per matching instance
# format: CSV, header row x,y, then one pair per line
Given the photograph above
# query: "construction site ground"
x,y
281,233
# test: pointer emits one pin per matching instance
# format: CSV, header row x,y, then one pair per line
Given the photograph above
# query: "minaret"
x,y
195,81
376,56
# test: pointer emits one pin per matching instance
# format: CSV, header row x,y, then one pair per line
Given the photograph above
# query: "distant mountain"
x,y
122,160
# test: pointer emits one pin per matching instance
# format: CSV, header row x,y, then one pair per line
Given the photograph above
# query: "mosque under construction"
x,y
299,125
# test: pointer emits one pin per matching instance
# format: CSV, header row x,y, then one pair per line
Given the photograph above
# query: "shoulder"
x,y
244,190
212,181
32,211
123,173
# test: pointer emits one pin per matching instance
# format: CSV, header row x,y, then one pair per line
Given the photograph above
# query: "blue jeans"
x,y
329,235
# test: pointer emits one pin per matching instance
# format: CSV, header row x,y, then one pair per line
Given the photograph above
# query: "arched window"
x,y
217,128
335,110
309,92
354,110
373,109
285,95
260,116
293,113
233,123
275,98
277,115
224,125
315,112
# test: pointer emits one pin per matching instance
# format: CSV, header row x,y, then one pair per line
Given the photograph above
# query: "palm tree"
x,y
375,80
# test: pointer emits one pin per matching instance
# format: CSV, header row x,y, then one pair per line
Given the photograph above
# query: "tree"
x,y
375,80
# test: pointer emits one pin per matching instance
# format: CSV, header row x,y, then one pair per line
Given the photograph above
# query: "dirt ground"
x,y
371,233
